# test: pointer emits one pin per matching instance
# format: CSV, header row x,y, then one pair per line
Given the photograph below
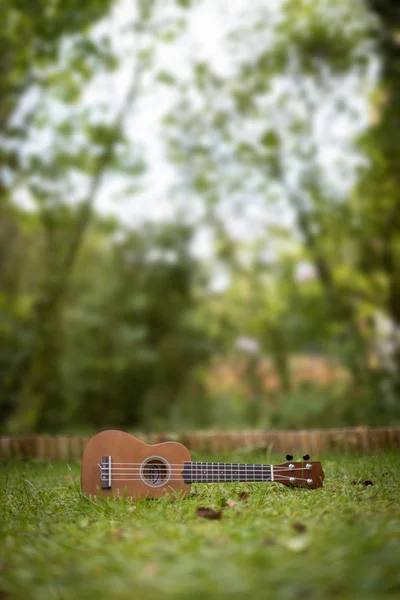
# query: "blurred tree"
x,y
132,340
57,147
254,130
376,202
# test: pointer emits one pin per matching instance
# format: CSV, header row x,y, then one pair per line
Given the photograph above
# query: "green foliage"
x,y
264,145
341,540
130,355
54,371
100,325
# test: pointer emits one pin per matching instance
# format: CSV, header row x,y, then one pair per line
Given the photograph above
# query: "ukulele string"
x,y
180,466
242,471
276,479
214,477
201,463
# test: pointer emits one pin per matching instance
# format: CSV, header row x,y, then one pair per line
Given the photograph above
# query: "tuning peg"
x,y
289,457
306,457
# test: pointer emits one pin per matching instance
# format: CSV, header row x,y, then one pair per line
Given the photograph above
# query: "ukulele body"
x,y
132,467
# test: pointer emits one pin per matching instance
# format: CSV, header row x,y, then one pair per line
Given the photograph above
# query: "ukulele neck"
x,y
202,472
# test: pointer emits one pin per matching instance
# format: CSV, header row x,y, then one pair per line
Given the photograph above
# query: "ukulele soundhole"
x,y
155,472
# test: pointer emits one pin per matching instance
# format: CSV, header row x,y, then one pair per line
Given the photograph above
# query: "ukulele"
x,y
115,462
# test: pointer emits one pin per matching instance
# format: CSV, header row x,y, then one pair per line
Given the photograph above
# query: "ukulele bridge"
x,y
105,469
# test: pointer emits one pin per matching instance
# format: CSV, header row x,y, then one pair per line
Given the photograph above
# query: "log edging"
x,y
313,441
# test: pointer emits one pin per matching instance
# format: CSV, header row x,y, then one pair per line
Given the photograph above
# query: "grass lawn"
x,y
342,541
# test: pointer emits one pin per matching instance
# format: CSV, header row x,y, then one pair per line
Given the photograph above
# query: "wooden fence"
x,y
313,442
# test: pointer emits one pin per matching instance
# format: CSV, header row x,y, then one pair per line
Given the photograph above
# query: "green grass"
x,y
342,541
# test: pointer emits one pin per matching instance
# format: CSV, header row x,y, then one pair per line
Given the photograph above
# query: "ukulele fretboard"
x,y
202,472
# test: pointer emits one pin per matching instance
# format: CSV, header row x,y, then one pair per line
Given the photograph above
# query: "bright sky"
x,y
208,25
204,38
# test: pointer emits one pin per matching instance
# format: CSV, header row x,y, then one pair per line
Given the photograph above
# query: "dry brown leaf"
x,y
221,541
365,483
118,533
150,569
299,527
269,541
244,496
208,513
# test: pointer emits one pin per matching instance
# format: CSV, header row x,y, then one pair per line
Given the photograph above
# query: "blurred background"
x,y
199,214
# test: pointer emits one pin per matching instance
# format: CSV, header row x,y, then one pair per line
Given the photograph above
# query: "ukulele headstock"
x,y
304,474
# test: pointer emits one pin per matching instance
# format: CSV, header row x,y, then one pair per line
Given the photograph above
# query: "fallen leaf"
x,y
269,541
299,527
231,503
150,570
208,513
366,482
304,592
118,533
297,544
221,541
244,496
